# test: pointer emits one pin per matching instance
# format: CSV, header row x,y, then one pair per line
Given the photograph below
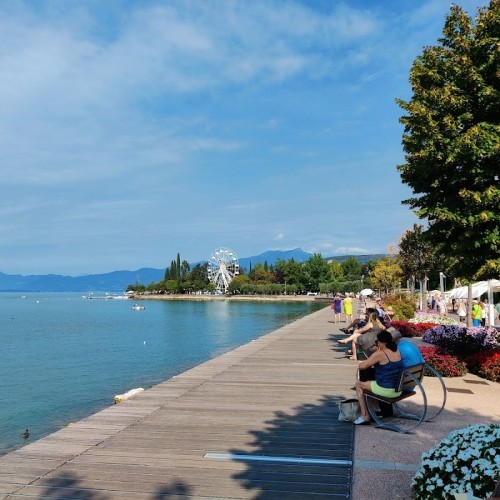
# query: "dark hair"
x,y
386,338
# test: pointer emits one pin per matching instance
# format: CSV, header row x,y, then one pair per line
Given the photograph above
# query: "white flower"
x,y
465,460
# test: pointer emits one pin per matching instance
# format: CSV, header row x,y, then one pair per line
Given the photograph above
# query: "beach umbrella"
x,y
366,291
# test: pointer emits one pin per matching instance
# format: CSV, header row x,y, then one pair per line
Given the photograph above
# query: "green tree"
x,y
172,286
237,283
292,274
452,141
417,256
178,267
351,268
185,268
336,271
387,274
317,271
260,274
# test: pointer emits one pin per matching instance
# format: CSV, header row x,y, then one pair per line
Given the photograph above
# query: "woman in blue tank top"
x,y
387,363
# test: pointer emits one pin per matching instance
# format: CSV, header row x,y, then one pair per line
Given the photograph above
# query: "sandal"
x,y
361,421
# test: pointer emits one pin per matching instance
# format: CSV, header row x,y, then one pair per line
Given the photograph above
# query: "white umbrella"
x,y
366,291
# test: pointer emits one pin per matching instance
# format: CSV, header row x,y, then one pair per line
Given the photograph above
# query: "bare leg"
x,y
353,324
354,350
354,336
360,386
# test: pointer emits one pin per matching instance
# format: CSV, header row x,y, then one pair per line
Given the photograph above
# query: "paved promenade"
x,y
257,422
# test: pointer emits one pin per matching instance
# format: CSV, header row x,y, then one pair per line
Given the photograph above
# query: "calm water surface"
x,y
63,357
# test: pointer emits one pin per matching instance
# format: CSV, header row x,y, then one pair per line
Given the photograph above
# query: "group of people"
x,y
340,306
479,314
386,354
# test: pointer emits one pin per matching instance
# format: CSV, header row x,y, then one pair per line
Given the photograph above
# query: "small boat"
x,y
137,307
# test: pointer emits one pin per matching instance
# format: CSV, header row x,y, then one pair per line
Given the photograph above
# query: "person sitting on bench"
x,y
358,322
387,363
410,353
371,329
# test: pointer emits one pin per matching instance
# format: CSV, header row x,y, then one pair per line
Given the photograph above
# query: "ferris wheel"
x,y
223,266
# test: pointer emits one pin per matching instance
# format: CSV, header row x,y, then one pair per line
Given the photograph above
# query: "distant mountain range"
x,y
117,281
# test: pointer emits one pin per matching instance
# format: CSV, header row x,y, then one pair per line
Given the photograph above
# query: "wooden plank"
x,y
274,397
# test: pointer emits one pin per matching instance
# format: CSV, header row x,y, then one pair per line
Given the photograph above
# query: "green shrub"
x,y
402,304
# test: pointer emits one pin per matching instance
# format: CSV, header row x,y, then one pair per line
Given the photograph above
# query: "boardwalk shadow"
x,y
67,486
307,453
179,490
341,349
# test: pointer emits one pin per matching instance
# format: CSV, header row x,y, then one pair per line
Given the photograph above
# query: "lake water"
x,y
63,357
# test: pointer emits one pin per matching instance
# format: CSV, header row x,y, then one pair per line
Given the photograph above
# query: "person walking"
x,y
477,313
348,308
484,312
462,313
337,308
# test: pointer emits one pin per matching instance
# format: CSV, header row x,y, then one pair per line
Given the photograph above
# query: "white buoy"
x,y
122,397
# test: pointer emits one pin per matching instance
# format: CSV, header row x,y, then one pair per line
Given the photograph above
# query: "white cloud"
x,y
352,250
279,237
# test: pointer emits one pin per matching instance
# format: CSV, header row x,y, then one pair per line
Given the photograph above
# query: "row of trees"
x,y
284,277
314,275
416,259
179,278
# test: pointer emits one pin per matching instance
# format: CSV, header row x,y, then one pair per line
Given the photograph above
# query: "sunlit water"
x,y
63,357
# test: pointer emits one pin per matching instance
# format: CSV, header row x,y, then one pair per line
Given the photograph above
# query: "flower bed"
x,y
445,364
462,341
421,317
408,329
467,460
479,347
485,364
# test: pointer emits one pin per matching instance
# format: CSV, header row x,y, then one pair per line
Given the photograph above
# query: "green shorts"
x,y
383,391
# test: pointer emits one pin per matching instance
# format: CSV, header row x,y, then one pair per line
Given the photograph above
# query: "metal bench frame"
x,y
409,381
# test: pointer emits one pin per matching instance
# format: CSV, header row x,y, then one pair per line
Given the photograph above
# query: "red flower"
x,y
412,329
445,364
485,364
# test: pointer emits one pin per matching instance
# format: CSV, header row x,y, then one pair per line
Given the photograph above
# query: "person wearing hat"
x,y
410,353
382,313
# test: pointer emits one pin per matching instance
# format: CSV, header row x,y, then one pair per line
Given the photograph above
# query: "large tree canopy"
x,y
452,141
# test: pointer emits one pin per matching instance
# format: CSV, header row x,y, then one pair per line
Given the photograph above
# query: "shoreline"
x,y
252,298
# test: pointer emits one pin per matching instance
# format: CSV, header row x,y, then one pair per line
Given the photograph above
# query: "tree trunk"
x,y
469,304
424,293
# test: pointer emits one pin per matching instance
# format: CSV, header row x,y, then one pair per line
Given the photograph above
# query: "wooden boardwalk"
x,y
257,422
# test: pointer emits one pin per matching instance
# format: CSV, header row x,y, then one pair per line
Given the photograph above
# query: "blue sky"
x,y
133,130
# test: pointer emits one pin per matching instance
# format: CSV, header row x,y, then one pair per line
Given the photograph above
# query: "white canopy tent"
x,y
478,289
366,291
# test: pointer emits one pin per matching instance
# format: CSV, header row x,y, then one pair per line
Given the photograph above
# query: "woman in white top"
x,y
462,313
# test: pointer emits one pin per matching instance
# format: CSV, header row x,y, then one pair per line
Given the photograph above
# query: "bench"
x,y
409,383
